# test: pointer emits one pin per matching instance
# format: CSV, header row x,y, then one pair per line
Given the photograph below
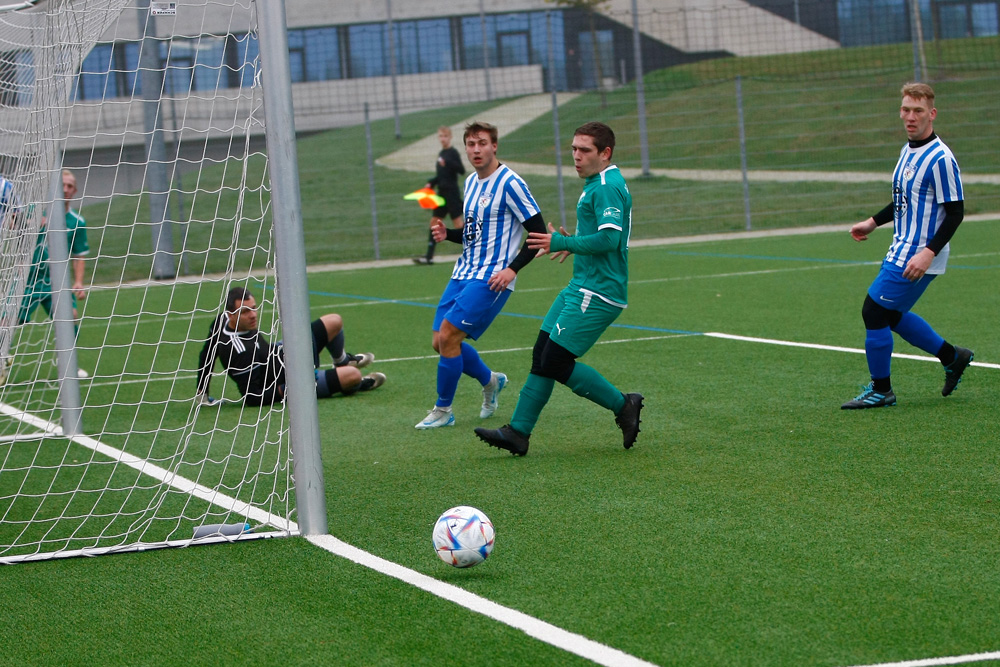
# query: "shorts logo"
x,y
559,329
612,212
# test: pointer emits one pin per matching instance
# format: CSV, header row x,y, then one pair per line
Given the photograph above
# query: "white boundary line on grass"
x,y
531,626
933,662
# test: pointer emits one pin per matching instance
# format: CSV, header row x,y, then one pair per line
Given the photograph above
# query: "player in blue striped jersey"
x,y
498,208
926,210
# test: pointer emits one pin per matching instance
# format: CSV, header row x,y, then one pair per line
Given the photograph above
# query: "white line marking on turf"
x,y
933,662
831,348
533,627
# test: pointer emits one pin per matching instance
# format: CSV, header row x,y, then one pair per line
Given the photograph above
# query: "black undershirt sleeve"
x,y
954,212
532,224
884,216
454,235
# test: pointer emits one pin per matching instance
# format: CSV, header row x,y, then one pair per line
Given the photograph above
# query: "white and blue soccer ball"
x,y
463,536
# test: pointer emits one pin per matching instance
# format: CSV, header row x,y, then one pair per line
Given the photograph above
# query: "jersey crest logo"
x,y
470,232
485,199
908,172
612,212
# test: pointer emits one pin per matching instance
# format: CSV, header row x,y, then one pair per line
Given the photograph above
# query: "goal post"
x,y
117,454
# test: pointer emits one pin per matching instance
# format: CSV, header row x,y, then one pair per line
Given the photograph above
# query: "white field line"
x,y
160,473
533,627
830,348
934,662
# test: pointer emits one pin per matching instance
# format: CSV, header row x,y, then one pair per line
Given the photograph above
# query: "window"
x,y
368,50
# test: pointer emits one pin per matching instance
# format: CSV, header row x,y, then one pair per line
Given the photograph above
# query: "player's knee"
x,y
556,362
333,323
536,352
877,316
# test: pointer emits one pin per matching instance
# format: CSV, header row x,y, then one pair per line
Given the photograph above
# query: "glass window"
x,y
435,45
368,50
472,41
94,78
209,57
984,19
178,57
407,47
297,55
246,52
322,52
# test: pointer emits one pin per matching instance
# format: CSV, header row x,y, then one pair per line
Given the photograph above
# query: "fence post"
x,y
743,150
371,180
486,51
555,118
640,90
392,66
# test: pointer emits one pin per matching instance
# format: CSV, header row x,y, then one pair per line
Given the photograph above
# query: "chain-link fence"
x,y
729,116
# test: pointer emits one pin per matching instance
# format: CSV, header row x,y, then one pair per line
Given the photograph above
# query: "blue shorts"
x,y
891,290
470,305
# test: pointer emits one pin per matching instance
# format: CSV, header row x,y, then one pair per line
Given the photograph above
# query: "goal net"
x,y
155,110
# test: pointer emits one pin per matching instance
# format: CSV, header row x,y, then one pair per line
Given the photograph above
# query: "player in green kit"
x,y
592,301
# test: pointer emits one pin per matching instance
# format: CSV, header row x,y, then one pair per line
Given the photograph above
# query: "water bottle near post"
x,y
221,529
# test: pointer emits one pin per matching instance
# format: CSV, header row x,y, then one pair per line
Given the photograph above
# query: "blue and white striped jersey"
x,y
924,179
494,210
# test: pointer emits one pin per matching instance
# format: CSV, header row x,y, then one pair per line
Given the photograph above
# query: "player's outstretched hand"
x,y
861,230
438,230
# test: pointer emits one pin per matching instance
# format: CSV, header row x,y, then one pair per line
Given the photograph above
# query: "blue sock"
x,y
473,366
449,373
878,349
914,330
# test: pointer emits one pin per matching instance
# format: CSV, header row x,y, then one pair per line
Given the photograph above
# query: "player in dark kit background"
x,y
449,167
257,365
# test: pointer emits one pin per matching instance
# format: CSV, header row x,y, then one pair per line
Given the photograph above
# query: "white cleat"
x,y
358,360
437,418
491,394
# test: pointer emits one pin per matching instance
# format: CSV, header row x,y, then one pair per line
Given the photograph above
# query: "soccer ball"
x,y
463,536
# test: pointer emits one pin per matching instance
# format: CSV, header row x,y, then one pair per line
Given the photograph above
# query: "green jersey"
x,y
76,239
600,245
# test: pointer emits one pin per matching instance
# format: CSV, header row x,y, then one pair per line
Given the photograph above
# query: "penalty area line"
x,y
531,626
830,348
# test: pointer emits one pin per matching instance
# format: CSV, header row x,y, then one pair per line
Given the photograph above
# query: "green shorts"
x,y
576,320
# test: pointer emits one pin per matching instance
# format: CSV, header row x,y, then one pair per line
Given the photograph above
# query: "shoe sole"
x,y
627,444
424,427
501,447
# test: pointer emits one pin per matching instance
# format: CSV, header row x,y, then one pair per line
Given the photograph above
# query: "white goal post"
x,y
105,310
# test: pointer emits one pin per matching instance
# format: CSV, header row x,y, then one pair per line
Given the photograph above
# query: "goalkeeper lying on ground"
x,y
257,365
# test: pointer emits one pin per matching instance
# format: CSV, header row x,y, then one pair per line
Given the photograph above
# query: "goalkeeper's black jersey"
x,y
253,362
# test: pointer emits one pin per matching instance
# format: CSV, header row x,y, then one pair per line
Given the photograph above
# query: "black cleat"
x,y
953,371
427,261
628,419
869,398
504,437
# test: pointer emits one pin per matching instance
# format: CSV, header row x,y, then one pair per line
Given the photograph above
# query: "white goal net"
x,y
155,112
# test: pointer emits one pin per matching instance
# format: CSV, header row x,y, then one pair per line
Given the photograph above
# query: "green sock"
x,y
534,395
586,382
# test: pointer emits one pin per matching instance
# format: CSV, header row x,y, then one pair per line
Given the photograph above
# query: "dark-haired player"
x,y
257,365
593,300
